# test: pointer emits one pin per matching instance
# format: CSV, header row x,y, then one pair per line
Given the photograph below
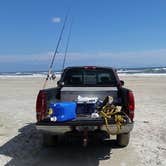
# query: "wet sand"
x,y
20,144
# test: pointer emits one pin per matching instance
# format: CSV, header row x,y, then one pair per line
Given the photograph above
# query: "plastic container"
x,y
63,111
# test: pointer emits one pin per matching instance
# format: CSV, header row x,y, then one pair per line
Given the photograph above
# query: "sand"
x,y
20,144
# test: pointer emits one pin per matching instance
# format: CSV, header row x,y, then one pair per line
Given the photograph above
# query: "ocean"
x,y
146,71
151,71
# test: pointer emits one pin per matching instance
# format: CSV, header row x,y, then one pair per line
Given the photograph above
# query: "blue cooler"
x,y
63,111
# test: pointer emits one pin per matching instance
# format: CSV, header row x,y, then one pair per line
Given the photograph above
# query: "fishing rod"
x,y
67,45
56,51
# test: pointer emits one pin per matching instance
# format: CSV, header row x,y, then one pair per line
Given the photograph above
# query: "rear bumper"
x,y
60,128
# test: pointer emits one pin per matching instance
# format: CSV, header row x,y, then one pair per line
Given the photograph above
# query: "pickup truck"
x,y
86,81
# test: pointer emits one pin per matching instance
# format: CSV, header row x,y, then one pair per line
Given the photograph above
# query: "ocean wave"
x,y
26,74
143,74
157,71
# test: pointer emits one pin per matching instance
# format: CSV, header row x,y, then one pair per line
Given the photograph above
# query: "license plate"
x,y
89,128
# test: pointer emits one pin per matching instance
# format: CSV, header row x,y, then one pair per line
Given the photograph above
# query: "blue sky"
x,y
119,33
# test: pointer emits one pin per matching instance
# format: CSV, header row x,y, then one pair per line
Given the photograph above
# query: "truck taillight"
x,y
131,105
90,67
41,105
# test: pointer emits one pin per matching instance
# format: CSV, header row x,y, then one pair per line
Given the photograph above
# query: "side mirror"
x,y
122,82
59,83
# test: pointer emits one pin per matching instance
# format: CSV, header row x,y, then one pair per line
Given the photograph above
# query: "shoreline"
x,y
58,75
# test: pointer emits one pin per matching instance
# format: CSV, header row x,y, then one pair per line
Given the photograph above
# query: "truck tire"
x,y
50,140
123,139
102,135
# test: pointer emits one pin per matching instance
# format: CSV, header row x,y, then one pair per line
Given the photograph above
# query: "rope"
x,y
108,111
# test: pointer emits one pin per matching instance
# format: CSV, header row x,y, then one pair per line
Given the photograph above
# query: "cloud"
x,y
56,19
26,58
25,62
114,59
120,59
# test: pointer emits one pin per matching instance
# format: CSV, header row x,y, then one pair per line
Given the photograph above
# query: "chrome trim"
x,y
114,130
71,89
53,129
62,129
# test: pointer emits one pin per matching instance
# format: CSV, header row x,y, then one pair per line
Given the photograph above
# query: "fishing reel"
x,y
51,76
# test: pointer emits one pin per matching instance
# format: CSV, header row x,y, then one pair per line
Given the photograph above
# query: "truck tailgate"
x,y
72,93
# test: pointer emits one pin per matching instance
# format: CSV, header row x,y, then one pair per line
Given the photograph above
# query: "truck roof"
x,y
90,67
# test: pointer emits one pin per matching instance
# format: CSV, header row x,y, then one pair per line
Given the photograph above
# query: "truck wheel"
x,y
50,140
103,135
123,139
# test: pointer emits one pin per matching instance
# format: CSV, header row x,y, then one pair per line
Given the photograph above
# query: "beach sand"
x,y
20,144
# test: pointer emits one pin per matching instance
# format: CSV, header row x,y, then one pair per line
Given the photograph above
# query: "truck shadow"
x,y
26,149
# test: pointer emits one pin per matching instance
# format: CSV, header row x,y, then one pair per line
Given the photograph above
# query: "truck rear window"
x,y
85,77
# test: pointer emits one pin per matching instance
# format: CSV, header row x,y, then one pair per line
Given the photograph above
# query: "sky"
x,y
118,33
